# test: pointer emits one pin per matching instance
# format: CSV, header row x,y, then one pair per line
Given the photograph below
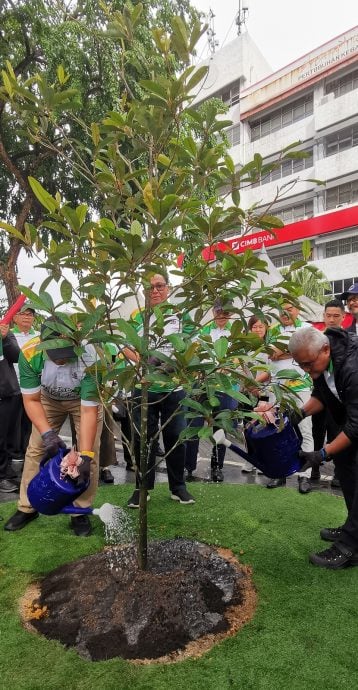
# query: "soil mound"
x,y
104,607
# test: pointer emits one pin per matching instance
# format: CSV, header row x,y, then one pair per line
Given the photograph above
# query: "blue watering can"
x,y
50,495
272,451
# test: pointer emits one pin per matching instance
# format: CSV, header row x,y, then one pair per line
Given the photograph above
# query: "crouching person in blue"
x,y
331,359
56,384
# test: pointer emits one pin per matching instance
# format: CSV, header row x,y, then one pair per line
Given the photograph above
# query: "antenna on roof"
x,y
213,43
242,13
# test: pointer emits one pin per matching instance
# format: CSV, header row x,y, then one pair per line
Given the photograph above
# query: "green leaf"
x,y
44,197
136,228
95,133
220,346
61,76
12,231
179,38
197,77
66,291
177,342
133,339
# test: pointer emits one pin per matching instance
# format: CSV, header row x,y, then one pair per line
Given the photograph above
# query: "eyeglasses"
x,y
352,298
308,365
158,286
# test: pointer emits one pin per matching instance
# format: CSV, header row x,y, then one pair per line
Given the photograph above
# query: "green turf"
x,y
304,633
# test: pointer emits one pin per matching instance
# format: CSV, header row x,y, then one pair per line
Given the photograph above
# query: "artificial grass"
x,y
303,635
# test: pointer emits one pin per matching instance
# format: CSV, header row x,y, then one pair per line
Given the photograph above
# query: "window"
x,y
342,140
347,245
341,195
343,85
233,135
231,95
339,286
286,259
282,117
288,167
292,214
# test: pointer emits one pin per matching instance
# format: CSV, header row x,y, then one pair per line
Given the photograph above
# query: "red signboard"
x,y
303,229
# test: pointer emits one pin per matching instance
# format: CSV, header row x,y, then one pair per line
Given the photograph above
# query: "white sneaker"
x,y
247,467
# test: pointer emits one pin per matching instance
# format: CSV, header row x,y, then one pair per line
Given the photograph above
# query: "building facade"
x,y
313,100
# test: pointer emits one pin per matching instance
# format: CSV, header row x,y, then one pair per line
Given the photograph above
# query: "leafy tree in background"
x,y
157,183
312,283
62,48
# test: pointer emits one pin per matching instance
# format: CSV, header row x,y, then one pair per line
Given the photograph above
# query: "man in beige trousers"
x,y
55,384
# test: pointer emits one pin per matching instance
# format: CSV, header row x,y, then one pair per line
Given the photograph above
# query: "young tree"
x,y
158,189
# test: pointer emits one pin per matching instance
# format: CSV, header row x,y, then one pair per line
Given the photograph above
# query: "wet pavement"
x,y
233,473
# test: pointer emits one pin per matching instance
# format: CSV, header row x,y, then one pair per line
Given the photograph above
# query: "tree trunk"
x,y
8,274
143,510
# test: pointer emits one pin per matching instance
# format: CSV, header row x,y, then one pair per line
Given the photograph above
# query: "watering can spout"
x,y
106,513
219,438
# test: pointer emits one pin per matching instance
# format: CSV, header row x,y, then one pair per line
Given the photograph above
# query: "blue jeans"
x,y
218,452
165,406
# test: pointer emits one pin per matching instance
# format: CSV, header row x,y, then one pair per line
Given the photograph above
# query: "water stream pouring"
x,y
51,494
273,451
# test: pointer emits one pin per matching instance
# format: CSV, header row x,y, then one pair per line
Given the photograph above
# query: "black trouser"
x,y
6,412
19,429
347,472
167,407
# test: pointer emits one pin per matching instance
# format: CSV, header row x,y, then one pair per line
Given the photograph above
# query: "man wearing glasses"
x,y
331,359
351,296
164,398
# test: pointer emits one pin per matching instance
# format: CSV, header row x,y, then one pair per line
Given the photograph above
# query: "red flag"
x,y
14,309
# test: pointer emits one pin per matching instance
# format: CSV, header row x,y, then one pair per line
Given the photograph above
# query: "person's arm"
x,y
10,347
341,442
312,406
88,427
35,411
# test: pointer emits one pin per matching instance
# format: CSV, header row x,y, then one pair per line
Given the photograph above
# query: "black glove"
x,y
312,459
84,470
295,416
51,443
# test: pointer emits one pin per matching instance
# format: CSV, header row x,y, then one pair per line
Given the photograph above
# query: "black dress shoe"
x,y
304,485
81,525
106,476
19,520
129,467
330,533
335,483
274,483
336,557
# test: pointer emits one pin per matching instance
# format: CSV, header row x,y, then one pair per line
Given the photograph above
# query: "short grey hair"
x,y
309,338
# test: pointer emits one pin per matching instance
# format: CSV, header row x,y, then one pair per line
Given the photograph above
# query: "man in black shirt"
x,y
331,359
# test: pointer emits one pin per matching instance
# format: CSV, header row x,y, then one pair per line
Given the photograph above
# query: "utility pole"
x,y
242,13
213,43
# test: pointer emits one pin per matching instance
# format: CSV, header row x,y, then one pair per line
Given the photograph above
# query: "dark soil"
x,y
104,607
